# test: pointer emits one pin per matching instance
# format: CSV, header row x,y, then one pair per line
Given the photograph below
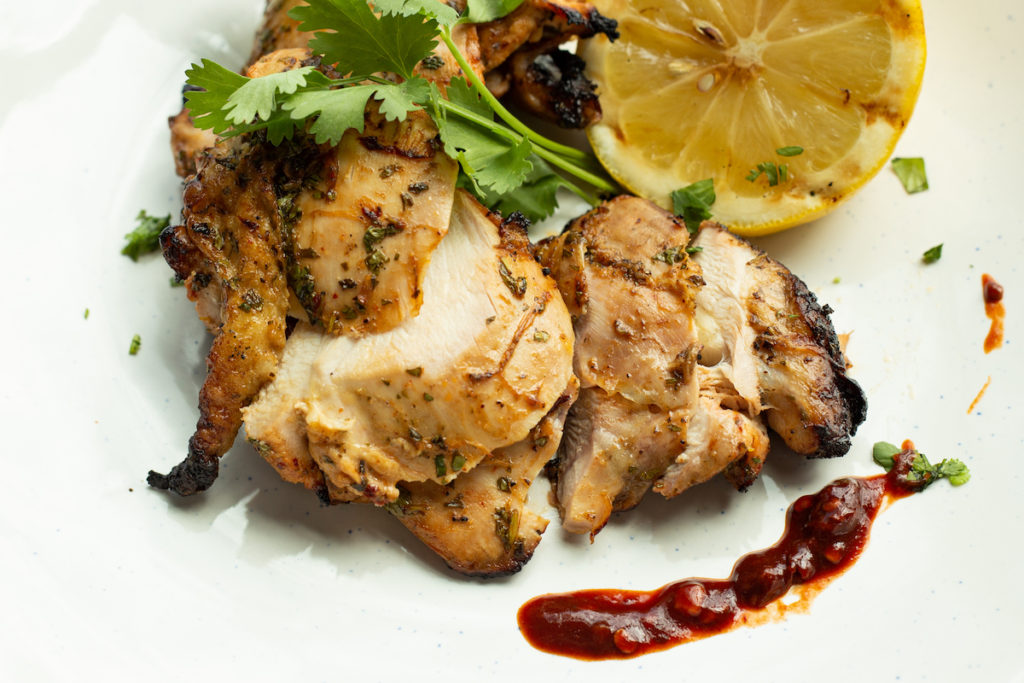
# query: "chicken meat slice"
x,y
631,289
763,332
741,338
479,523
362,237
486,358
268,226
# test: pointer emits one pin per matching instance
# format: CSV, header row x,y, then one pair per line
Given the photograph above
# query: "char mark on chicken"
x,y
549,82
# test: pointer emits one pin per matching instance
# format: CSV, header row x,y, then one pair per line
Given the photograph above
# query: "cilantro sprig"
x,y
503,161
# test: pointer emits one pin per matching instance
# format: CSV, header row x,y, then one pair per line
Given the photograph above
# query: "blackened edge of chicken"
x,y
550,82
835,438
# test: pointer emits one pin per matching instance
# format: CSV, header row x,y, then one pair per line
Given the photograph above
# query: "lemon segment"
x,y
697,89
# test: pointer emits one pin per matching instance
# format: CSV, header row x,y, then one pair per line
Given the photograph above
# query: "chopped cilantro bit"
x,y
86,314
835,280
175,282
933,254
516,285
505,484
432,62
540,442
883,453
789,151
427,397
136,344
541,336
671,256
415,372
439,467
693,203
694,250
145,238
458,461
772,171
910,171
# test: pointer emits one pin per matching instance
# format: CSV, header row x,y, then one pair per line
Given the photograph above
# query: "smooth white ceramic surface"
x,y
102,576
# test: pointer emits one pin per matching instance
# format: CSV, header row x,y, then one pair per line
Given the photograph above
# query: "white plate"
x,y
255,579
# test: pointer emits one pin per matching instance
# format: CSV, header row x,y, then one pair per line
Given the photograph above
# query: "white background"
x,y
100,575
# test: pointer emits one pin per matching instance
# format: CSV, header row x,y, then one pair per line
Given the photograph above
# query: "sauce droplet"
x,y
992,292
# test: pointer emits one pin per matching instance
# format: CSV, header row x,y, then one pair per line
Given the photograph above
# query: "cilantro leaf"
x,y
933,254
257,97
911,173
397,100
360,42
535,198
495,162
481,11
954,470
216,84
444,14
789,151
336,110
693,203
145,238
883,453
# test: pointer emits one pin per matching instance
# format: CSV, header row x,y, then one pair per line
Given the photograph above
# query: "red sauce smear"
x,y
992,292
825,533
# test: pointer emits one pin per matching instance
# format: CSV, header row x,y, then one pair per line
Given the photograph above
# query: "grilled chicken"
x,y
549,82
623,271
445,419
478,523
679,357
321,232
764,331
485,359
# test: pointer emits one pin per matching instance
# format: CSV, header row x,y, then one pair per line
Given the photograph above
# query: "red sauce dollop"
x,y
992,292
825,533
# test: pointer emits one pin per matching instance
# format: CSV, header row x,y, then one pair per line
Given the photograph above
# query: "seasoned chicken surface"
x,y
478,523
321,232
623,271
229,254
364,235
446,419
485,359
680,356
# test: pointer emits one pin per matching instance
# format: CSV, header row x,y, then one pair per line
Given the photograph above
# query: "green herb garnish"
x,y
933,254
136,344
789,151
145,238
497,157
921,469
693,203
910,171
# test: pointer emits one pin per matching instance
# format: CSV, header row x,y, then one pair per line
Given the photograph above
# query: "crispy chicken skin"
x,y
230,241
550,82
762,327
